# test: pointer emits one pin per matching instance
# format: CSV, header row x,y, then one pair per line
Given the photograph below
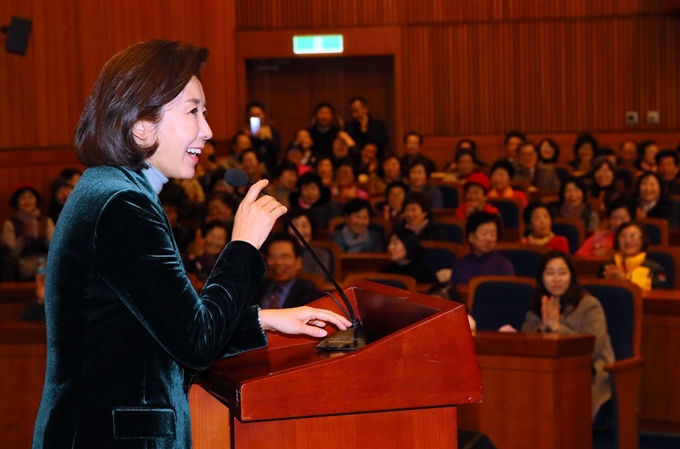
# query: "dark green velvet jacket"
x,y
125,329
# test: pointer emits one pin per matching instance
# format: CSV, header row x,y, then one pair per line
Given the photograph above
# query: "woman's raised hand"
x,y
255,216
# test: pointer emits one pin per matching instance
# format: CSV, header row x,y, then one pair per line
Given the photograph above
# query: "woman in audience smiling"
x,y
355,236
630,261
562,306
475,192
573,203
418,178
418,218
653,203
502,172
601,243
538,220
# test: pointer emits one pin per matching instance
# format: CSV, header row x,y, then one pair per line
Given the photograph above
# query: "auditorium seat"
x,y
393,280
523,257
573,229
494,301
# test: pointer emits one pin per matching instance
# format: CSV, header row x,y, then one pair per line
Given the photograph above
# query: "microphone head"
x,y
236,177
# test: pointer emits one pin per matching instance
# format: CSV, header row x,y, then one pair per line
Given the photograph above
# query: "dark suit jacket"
x,y
125,329
301,293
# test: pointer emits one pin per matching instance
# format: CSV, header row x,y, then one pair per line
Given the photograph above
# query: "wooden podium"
x,y
401,390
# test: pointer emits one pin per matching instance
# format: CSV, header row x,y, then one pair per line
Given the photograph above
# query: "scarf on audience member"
x,y
542,241
634,271
353,241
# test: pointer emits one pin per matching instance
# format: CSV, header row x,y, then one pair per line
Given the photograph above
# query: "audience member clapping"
x,y
481,230
562,306
538,221
355,235
407,256
209,243
392,207
630,260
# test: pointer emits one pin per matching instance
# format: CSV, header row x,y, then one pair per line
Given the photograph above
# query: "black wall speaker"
x,y
17,35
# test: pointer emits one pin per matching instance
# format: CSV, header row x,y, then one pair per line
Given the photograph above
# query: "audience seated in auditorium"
x,y
668,166
311,195
538,221
512,141
355,236
528,169
326,171
413,143
364,128
27,233
502,173
603,188
208,171
572,203
303,138
630,260
646,160
475,194
251,164
562,306
461,167
601,242
391,208
284,184
265,140
585,148
303,222
481,230
653,203
419,181
548,151
282,288
417,216
182,234
345,186
324,130
407,257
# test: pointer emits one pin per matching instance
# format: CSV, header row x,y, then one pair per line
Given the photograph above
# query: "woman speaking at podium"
x,y
125,329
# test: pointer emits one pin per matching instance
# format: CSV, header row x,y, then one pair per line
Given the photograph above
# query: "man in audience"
x,y
512,141
667,162
540,176
324,130
365,128
413,143
481,230
281,288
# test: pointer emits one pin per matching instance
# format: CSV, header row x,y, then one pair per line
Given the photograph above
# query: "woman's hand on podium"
x,y
301,320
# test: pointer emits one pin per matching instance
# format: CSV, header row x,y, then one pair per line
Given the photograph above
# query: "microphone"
x,y
354,337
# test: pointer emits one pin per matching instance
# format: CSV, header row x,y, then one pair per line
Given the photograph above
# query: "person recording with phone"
x,y
126,332
263,137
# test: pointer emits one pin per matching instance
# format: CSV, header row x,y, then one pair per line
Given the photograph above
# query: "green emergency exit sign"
x,y
315,45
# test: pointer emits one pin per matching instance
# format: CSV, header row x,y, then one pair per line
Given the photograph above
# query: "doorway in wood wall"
x,y
290,88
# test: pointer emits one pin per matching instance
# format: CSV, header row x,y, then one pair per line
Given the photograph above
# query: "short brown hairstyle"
x,y
133,85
